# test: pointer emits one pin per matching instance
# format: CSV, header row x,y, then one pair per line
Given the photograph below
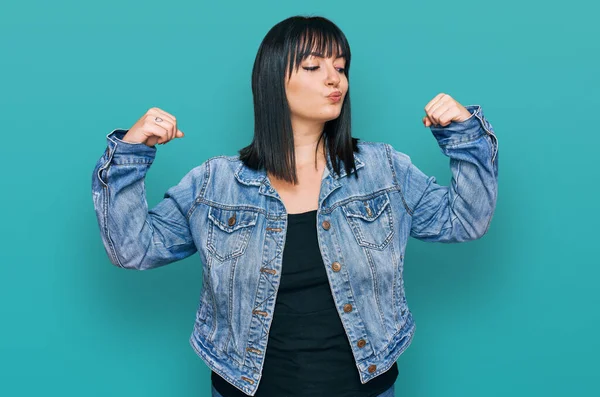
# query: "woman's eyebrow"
x,y
320,55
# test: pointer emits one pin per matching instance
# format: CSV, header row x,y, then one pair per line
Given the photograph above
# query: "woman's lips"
x,y
335,97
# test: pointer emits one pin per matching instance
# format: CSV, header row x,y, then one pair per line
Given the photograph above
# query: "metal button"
x,y
369,212
231,221
347,307
372,368
361,343
326,225
336,266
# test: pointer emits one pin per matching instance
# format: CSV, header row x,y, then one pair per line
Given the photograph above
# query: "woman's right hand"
x,y
149,130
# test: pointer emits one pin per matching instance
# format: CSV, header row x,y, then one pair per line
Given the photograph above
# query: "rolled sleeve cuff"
x,y
463,131
121,152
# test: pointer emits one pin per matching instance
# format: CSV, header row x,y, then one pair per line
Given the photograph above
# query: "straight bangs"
x,y
318,39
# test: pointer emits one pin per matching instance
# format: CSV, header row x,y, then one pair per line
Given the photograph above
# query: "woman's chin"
x,y
332,114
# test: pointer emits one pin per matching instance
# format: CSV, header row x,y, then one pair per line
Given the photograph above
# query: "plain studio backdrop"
x,y
512,314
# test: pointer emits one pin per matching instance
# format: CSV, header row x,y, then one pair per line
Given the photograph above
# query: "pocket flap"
x,y
232,220
367,209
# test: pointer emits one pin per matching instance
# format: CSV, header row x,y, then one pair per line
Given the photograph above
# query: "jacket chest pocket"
x,y
229,231
370,221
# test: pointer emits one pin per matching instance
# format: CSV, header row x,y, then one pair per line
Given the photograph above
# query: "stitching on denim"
x,y
456,195
357,197
113,250
394,287
388,152
361,320
487,128
199,198
458,143
242,238
135,161
270,292
360,237
223,374
202,200
375,287
213,326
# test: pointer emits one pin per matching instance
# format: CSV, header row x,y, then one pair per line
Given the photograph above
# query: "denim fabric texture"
x,y
232,217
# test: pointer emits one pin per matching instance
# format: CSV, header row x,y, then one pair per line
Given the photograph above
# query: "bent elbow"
x,y
121,258
483,227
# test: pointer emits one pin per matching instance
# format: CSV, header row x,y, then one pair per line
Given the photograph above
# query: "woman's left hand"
x,y
443,109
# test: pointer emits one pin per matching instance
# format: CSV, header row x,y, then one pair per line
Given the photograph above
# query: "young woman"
x,y
302,235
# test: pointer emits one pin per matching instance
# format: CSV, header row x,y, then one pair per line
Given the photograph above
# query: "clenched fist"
x,y
156,126
443,109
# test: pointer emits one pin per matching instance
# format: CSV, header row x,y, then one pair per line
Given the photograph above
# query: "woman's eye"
x,y
313,68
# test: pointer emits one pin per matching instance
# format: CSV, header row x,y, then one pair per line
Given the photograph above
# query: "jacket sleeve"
x,y
463,210
133,236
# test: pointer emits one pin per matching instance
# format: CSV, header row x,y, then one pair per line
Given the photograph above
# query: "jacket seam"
x,y
489,133
388,149
105,168
113,250
200,197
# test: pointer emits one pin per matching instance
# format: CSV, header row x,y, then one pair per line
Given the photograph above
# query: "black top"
x,y
308,353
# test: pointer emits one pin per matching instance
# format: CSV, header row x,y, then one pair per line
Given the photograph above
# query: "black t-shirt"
x,y
308,352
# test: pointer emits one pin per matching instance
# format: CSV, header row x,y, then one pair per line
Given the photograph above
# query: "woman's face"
x,y
308,88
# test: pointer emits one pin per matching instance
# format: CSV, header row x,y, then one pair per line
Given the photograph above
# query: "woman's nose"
x,y
332,76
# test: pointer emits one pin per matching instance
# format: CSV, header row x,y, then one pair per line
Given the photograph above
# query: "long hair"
x,y
283,49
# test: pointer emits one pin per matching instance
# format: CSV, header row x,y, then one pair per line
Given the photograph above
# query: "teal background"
x,y
512,314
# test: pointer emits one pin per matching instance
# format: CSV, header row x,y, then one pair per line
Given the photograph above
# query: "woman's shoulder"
x,y
382,151
221,161
219,164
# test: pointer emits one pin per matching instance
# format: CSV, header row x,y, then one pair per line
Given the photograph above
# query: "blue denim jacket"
x,y
235,220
